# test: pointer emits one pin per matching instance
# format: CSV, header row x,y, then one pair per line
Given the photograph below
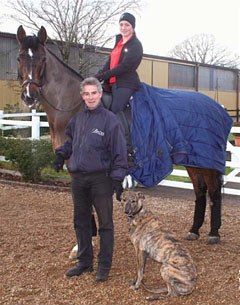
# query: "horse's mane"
x,y
64,64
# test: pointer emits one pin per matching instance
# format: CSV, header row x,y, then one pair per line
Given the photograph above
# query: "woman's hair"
x,y
90,81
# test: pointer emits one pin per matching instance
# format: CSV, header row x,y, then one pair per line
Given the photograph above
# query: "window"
x,y
181,76
215,79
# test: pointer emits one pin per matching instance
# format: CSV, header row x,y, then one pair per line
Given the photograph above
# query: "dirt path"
x,y
36,235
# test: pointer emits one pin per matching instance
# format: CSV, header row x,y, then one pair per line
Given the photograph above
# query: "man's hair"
x,y
92,81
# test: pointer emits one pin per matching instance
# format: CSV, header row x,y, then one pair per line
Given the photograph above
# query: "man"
x,y
97,160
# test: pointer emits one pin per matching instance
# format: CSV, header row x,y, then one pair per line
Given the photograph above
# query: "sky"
x,y
162,24
165,23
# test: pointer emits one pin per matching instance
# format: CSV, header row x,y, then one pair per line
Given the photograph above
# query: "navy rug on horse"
x,y
176,127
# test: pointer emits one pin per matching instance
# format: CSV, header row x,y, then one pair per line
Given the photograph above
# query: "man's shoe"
x,y
78,270
102,275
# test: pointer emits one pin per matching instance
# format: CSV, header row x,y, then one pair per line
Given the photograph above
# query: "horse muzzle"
x,y
30,93
30,101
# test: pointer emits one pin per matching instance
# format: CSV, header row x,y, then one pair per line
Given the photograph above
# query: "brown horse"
x,y
48,80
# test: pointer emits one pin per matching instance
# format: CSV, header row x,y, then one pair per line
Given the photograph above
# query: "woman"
x,y
120,69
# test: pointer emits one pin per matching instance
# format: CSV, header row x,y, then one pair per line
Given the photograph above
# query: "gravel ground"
x,y
36,236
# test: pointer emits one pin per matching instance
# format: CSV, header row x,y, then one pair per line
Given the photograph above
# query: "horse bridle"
x,y
30,81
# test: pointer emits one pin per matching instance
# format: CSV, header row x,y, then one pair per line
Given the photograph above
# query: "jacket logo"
x,y
99,132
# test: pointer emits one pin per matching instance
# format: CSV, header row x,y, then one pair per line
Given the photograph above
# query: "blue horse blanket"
x,y
176,127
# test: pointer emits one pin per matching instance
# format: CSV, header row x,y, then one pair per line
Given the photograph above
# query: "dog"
x,y
149,239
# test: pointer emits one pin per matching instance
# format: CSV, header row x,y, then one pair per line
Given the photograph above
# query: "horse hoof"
x,y
212,240
192,236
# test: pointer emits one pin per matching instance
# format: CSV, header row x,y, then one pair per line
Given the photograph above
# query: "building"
x,y
220,83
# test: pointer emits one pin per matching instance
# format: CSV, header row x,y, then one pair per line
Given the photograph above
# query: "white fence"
x,y
231,181
35,124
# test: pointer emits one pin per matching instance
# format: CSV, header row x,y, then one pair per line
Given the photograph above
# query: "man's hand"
x,y
118,189
58,163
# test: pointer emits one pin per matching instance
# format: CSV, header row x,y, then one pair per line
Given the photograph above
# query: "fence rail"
x,y
35,123
231,181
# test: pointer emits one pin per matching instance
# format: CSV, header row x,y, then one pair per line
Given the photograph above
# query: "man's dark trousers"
x,y
93,189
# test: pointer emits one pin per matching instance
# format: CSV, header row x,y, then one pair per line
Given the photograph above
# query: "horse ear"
x,y
42,35
21,34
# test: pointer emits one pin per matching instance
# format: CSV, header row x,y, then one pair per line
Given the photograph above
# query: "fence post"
x,y
1,114
35,125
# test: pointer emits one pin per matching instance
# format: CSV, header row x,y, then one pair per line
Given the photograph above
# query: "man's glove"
x,y
118,189
58,163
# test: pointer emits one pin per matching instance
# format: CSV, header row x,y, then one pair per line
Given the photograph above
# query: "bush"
x,y
29,157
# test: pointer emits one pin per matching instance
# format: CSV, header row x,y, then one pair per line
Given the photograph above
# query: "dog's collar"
x,y
130,216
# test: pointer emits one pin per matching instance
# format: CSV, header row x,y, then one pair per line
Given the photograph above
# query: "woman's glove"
x,y
99,76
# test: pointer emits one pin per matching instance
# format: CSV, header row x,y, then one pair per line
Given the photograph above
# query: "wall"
x,y
10,93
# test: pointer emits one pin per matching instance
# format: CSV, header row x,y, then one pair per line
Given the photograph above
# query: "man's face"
x,y
91,96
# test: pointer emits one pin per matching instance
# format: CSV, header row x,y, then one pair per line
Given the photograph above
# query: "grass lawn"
x,y
49,173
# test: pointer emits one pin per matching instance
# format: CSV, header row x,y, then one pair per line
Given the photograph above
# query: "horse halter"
x,y
31,81
29,61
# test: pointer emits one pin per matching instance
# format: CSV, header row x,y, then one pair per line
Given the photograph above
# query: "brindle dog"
x,y
149,239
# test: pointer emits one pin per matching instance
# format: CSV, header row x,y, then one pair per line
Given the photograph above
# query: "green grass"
x,y
187,179
49,173
178,178
231,137
7,165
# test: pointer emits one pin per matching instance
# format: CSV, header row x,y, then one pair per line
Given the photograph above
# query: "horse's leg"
x,y
200,189
214,190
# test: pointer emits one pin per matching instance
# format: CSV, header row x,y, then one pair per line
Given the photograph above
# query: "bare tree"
x,y
80,23
203,48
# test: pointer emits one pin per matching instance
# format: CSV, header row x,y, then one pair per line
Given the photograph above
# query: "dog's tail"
x,y
155,290
159,293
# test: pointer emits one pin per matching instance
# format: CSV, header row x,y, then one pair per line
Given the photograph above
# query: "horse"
x,y
40,72
47,80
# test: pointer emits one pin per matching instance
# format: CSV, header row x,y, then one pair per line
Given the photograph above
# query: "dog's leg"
x,y
163,292
168,274
141,262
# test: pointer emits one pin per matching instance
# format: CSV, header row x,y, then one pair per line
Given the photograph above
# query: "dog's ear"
x,y
141,195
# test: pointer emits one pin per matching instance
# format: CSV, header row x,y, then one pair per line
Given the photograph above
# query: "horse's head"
x,y
31,64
